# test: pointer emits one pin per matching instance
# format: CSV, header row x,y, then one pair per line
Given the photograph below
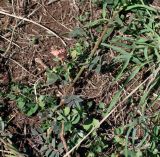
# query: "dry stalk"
x,y
31,21
9,41
13,31
19,65
63,140
10,149
53,17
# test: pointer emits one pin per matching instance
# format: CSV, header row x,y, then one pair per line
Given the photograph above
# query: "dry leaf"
x,y
39,61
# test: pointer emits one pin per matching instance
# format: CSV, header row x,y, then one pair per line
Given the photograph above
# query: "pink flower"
x,y
61,54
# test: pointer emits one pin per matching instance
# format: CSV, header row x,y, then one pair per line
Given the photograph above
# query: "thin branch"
x,y
19,65
54,18
31,21
63,139
35,88
9,41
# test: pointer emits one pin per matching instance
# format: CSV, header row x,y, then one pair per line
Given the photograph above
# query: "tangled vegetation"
x,y
105,98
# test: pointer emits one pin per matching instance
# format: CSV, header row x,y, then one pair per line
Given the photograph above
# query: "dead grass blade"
x,y
31,21
10,151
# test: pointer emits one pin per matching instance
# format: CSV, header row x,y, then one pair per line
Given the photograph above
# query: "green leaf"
x,y
146,53
144,97
67,126
94,62
74,54
157,54
114,101
141,41
95,122
136,60
32,110
101,105
118,49
122,70
21,103
134,135
98,68
119,131
2,125
120,140
51,77
139,153
81,134
60,116
140,6
104,9
41,102
122,45
127,153
156,130
119,21
76,119
11,96
53,143
2,50
88,124
66,111
48,152
95,23
57,154
90,154
77,32
109,32
53,154
133,74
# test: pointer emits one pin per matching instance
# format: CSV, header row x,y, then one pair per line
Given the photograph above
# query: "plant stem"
x,y
93,51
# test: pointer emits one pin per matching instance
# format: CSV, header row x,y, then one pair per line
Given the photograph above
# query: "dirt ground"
x,y
23,43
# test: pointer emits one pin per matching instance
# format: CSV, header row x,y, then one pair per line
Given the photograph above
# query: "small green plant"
x,y
26,100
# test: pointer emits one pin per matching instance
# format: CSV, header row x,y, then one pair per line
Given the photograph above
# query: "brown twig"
x,y
9,41
14,61
63,139
35,23
53,17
